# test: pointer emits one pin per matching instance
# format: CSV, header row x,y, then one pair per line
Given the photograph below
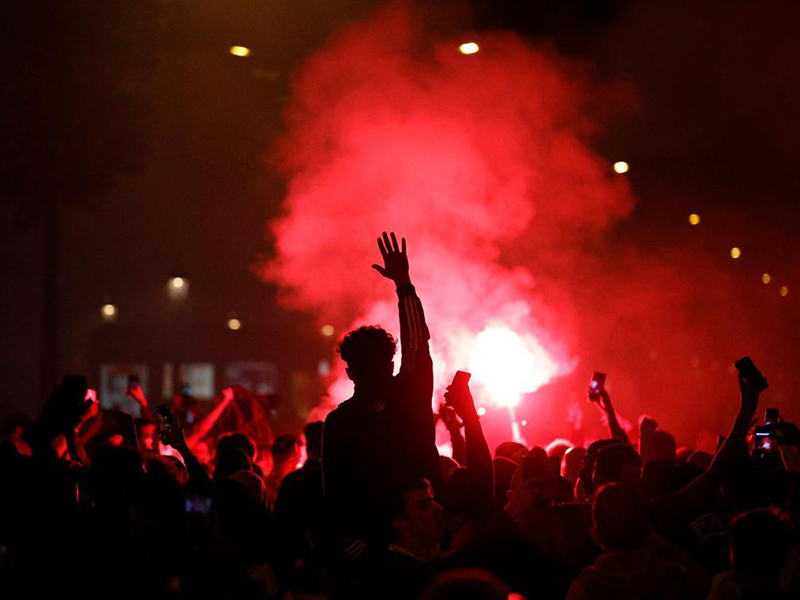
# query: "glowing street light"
x,y
178,288
735,252
469,48
108,312
621,167
239,51
234,324
694,219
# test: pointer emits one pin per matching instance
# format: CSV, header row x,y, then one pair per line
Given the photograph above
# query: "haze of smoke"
x,y
468,157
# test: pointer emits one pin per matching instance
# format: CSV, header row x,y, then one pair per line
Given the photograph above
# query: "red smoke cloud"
x,y
463,155
484,163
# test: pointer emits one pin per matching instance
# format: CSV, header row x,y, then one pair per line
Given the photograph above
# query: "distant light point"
x,y
328,330
784,290
621,167
469,48
234,324
481,411
765,278
239,51
108,312
735,252
694,219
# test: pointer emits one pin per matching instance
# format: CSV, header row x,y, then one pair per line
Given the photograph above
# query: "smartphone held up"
x,y
750,373
596,386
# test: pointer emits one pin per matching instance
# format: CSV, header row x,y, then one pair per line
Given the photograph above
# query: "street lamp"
x,y
108,312
178,288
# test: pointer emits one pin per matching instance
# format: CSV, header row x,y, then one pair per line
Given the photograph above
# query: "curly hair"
x,y
367,345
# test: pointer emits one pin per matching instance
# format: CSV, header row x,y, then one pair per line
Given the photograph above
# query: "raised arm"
x,y
172,435
207,423
479,459
616,430
136,393
684,504
414,333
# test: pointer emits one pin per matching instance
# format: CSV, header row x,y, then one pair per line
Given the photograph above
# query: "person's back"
x,y
627,568
300,507
384,436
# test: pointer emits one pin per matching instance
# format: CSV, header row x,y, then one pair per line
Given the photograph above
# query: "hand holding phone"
x,y
459,396
170,430
753,380
597,386
135,390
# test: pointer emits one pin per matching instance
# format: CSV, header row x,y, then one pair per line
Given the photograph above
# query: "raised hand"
x,y
459,397
448,416
172,435
395,260
136,392
751,389
228,395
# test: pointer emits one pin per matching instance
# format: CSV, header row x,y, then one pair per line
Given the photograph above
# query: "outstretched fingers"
x,y
382,248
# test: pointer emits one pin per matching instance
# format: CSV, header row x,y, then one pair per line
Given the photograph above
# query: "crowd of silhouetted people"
x,y
96,504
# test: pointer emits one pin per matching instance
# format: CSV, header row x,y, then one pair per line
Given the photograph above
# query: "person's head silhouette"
x,y
369,354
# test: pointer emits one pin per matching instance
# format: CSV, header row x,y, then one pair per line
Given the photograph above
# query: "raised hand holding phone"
x,y
597,386
459,397
751,384
170,430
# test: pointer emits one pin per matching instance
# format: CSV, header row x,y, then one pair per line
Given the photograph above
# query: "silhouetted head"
x,y
369,354
236,441
504,469
558,447
313,433
589,460
617,462
619,516
572,462
285,449
511,450
759,542
230,462
468,584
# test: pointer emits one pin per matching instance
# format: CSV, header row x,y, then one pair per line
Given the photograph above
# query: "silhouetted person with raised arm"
x,y
384,436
